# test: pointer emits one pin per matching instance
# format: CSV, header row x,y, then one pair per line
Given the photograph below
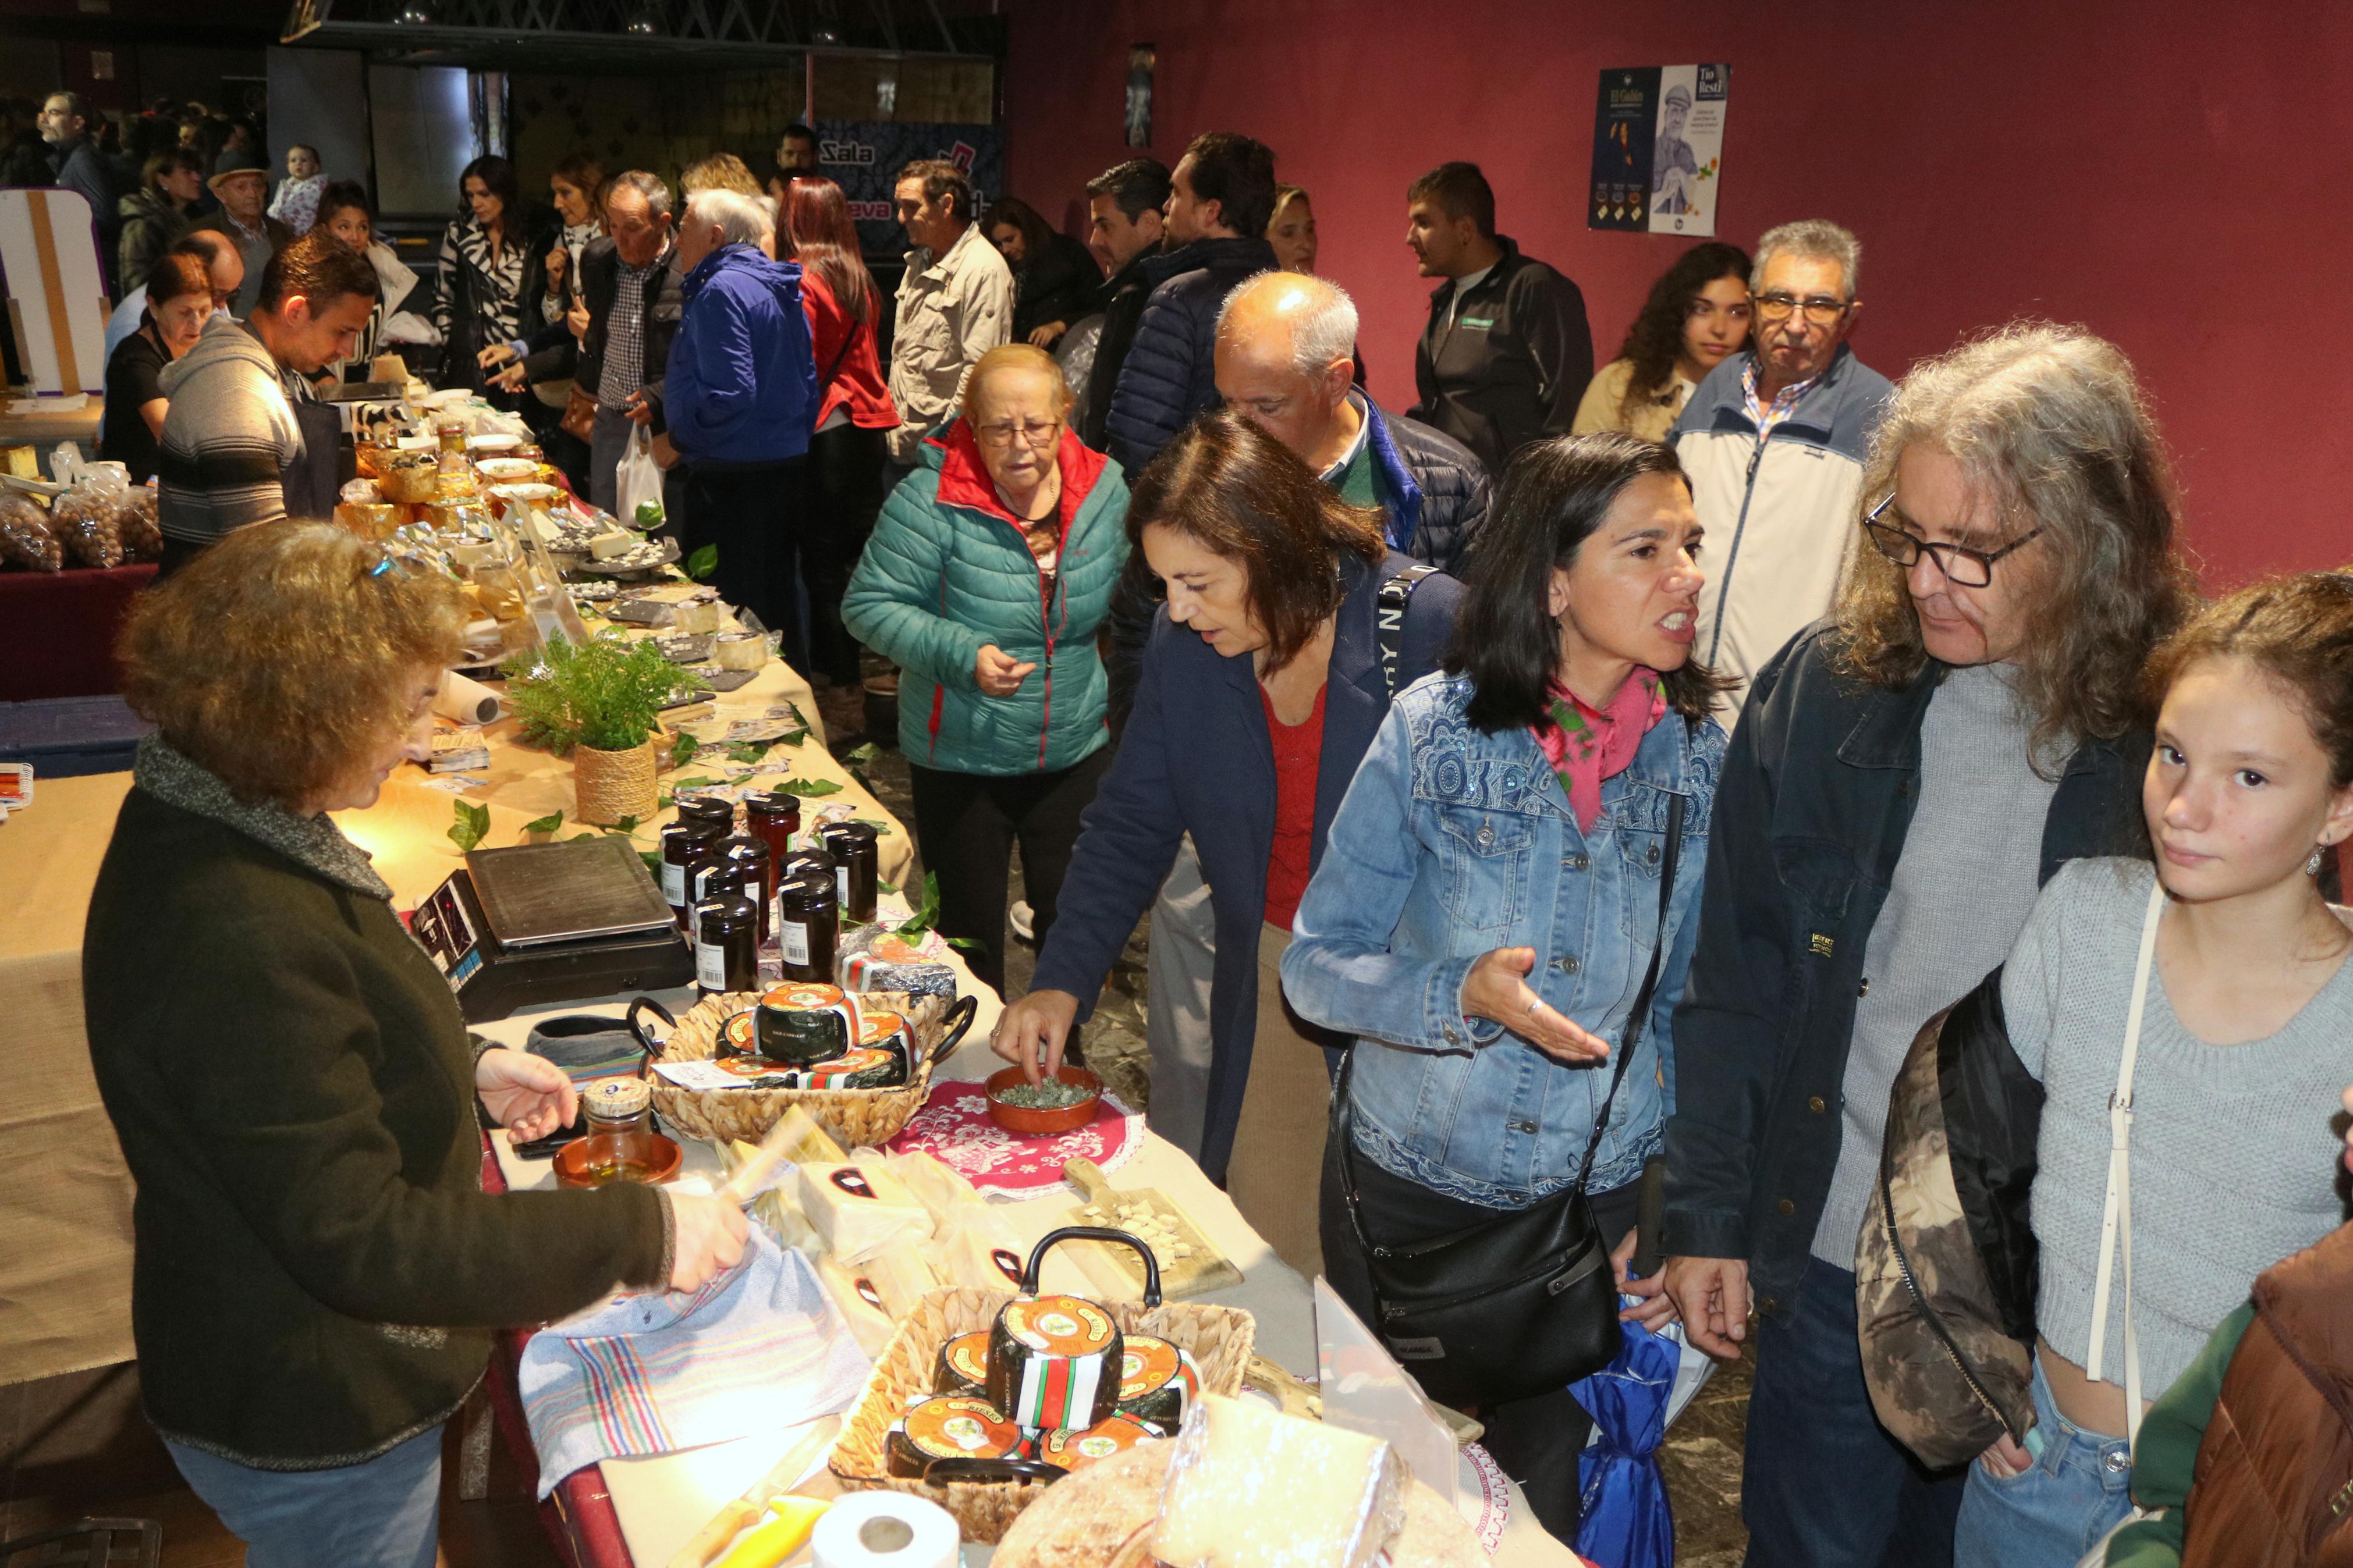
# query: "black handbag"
x,y
1522,1304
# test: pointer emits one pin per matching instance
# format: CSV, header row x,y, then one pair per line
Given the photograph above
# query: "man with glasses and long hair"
x,y
1774,442
1905,775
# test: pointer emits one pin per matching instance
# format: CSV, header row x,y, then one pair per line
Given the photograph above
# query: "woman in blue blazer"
x,y
1263,684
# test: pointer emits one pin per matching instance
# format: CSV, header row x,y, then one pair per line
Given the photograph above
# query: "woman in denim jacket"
x,y
1487,903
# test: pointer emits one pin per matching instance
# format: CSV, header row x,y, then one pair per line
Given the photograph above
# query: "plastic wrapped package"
x,y
86,521
860,1208
25,537
1249,1487
135,522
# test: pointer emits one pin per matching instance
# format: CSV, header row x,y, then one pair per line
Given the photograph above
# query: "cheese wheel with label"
x,y
1054,1360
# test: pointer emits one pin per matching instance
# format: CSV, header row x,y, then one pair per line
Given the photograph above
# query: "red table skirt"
x,y
60,629
578,1514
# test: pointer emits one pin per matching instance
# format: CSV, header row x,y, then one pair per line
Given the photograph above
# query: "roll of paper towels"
x,y
465,701
885,1529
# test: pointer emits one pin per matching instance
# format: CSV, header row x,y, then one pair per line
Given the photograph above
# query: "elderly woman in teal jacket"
x,y
987,577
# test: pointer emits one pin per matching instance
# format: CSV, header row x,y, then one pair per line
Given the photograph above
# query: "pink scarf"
x,y
1586,747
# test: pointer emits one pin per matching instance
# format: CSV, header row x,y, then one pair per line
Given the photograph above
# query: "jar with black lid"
x,y
726,937
809,927
806,863
856,848
749,856
776,817
716,817
685,848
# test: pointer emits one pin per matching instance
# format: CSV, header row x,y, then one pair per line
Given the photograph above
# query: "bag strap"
x,y
1343,1120
1389,606
838,355
2116,1217
1640,1015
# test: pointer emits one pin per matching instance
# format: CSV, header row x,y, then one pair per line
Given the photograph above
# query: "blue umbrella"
x,y
1627,1522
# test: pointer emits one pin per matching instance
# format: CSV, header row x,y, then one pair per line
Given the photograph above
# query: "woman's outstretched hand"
x,y
1497,990
529,1096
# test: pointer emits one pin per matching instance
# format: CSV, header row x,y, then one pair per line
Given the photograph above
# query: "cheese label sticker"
x,y
1007,1263
968,1357
1144,1365
1060,1325
851,1180
957,1426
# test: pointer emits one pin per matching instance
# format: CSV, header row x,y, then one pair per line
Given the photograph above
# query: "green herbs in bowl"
x,y
1051,1095
1067,1100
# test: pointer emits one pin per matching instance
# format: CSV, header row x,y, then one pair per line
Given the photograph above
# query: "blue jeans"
x,y
1822,1484
385,1513
2077,1489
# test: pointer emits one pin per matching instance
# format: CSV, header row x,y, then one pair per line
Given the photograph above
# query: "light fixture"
x,y
413,15
647,22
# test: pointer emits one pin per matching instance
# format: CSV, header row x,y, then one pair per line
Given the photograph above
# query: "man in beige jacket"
x,y
955,303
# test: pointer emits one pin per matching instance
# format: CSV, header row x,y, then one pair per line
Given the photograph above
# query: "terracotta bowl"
x,y
654,1158
1063,1119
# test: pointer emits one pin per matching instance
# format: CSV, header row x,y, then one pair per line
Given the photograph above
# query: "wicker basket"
x,y
608,787
1220,1338
857,1117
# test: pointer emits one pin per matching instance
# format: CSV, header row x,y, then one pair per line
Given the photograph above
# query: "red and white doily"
x,y
1483,1496
953,1128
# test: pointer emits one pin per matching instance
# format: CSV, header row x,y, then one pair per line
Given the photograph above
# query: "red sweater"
x,y
1298,758
857,378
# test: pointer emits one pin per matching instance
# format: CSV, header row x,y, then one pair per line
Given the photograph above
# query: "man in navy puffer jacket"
x,y
1221,198
739,399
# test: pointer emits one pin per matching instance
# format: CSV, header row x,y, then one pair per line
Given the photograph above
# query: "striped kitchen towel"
x,y
760,1347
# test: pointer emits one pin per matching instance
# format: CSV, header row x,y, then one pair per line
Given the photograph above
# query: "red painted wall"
x,y
2177,178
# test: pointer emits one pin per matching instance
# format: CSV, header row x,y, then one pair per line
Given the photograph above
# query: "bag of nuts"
x,y
25,537
136,522
86,521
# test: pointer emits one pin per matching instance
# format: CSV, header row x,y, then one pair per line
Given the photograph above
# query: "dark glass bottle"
x,y
856,853
808,928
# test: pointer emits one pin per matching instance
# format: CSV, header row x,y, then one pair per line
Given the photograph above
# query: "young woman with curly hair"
x,y
1696,319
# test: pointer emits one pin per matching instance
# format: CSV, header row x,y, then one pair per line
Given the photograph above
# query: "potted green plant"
x,y
599,702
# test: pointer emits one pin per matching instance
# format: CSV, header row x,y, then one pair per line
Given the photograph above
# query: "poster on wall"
x,y
864,157
1658,149
1141,58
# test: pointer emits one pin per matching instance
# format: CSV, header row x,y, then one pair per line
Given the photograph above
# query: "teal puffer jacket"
x,y
948,572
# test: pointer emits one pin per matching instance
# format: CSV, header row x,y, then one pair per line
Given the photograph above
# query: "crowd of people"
x,y
1577,774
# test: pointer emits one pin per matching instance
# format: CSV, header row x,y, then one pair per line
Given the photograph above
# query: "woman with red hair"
x,y
854,408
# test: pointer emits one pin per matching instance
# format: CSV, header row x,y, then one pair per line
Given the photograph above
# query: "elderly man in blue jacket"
x,y
739,398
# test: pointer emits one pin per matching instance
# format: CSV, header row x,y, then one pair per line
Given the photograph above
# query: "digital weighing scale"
x,y
536,923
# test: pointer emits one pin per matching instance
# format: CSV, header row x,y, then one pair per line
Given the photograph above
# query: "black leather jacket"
x,y
1810,818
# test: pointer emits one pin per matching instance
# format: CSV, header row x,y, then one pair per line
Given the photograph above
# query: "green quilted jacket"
x,y
948,572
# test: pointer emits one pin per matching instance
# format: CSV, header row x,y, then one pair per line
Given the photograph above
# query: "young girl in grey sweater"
x,y
2243,1050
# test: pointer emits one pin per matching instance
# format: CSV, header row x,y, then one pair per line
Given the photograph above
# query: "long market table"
x,y
65,1273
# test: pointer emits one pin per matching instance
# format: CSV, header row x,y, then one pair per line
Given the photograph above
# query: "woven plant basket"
x,y
857,1117
1220,1338
610,785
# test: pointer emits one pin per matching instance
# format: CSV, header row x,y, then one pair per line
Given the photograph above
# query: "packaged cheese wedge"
x,y
1249,1487
860,1304
859,1207
935,1186
900,1275
807,1142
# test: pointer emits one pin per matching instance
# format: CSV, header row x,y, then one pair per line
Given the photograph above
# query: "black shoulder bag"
x,y
1522,1304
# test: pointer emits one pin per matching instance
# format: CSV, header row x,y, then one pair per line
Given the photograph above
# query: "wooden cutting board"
x,y
1116,1269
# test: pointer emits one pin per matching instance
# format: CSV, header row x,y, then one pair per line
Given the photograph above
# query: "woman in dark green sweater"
x,y
317,1269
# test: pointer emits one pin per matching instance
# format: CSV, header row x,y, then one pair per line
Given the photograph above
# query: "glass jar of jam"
x,y
774,817
856,848
685,846
726,942
808,928
713,816
748,854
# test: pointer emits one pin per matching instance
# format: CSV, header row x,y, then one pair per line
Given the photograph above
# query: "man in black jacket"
x,y
1125,231
624,343
1220,199
1903,778
1507,351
